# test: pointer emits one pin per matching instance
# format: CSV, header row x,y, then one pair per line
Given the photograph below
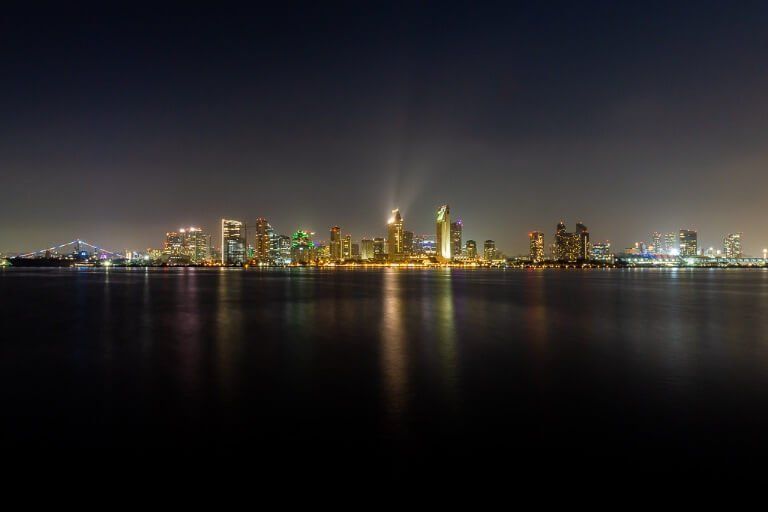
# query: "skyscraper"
x,y
366,249
489,250
302,248
197,245
395,236
261,244
732,246
656,241
408,243
233,242
379,251
669,243
335,244
456,228
689,244
471,249
346,248
582,233
444,233
536,242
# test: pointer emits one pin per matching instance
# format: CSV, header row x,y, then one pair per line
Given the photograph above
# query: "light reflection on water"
x,y
676,356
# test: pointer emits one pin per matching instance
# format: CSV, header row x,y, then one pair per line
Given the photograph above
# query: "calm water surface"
x,y
417,368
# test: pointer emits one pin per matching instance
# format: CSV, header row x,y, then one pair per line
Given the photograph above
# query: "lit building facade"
x,y
456,231
489,250
732,246
346,248
379,249
261,242
670,243
197,245
366,249
395,236
233,242
408,243
601,251
444,233
471,249
335,243
302,248
570,246
536,246
689,242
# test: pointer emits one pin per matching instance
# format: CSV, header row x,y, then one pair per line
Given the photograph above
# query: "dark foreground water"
x,y
388,370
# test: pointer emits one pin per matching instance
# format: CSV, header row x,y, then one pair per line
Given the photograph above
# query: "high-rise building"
x,y
366,249
536,246
456,229
471,249
489,250
283,249
601,251
174,243
197,245
732,246
346,248
355,251
408,243
335,244
379,249
302,248
571,246
689,243
584,249
444,233
395,236
261,243
669,243
657,243
233,242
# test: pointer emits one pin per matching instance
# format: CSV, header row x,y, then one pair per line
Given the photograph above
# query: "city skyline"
x,y
629,117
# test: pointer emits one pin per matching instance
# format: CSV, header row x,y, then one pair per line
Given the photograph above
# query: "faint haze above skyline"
x,y
122,123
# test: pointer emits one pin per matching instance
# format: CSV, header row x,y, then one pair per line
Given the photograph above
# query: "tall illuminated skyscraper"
x,y
456,229
346,248
489,250
335,244
366,249
395,236
584,249
444,233
689,243
197,245
233,242
408,243
379,249
732,246
471,249
302,248
669,243
656,241
261,244
536,242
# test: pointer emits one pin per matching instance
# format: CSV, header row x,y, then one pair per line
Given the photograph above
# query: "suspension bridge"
x,y
77,246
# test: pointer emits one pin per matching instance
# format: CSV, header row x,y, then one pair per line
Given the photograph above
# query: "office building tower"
x,y
444,233
732,246
536,246
657,244
395,236
346,248
379,249
335,243
233,242
174,243
489,250
302,248
456,229
366,249
407,243
261,242
583,248
601,251
355,251
283,249
197,245
471,249
670,243
689,243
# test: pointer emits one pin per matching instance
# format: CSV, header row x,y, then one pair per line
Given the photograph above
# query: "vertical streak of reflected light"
x,y
394,357
446,339
228,329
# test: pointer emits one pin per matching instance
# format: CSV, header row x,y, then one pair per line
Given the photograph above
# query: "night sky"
x,y
119,125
